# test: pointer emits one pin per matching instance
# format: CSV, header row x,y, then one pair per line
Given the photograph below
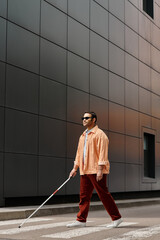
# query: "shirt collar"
x,y
93,130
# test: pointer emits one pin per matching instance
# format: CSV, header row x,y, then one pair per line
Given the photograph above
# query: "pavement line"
x,y
32,228
11,222
83,231
138,234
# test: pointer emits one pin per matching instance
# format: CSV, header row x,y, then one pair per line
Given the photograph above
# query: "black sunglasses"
x,y
86,118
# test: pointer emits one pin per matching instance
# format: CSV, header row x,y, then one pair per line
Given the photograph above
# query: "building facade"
x,y
59,58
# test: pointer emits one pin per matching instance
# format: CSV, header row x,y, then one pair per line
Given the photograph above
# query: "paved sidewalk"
x,y
8,213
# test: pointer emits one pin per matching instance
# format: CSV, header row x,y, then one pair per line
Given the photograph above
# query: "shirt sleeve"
x,y
103,144
77,158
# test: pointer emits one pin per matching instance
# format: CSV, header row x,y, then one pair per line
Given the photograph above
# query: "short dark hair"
x,y
94,115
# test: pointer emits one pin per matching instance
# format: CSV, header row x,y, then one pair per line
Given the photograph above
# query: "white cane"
x,y
44,203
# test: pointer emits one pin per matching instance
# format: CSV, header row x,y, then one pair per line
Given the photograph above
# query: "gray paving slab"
x,y
9,213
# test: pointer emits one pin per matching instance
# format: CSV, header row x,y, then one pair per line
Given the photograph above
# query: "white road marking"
x,y
32,228
138,234
11,222
83,231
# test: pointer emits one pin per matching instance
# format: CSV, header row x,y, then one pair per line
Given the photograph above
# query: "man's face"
x,y
89,122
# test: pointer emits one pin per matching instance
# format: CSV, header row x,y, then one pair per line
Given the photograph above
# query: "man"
x,y
92,160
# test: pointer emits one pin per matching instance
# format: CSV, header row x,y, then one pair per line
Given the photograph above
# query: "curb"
x,y
24,212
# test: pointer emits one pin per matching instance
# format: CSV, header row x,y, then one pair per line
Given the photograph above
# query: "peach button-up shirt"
x,y
96,152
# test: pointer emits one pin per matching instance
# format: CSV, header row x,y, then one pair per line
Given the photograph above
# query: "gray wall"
x,y
60,58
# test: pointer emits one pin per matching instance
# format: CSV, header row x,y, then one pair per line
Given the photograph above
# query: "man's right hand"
x,y
73,173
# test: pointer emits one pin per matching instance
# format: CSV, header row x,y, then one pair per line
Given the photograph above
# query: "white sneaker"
x,y
76,224
115,223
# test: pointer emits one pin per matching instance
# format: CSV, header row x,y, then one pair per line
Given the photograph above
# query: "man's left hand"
x,y
99,175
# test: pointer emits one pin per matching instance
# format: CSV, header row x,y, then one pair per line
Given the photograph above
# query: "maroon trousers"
x,y
87,184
